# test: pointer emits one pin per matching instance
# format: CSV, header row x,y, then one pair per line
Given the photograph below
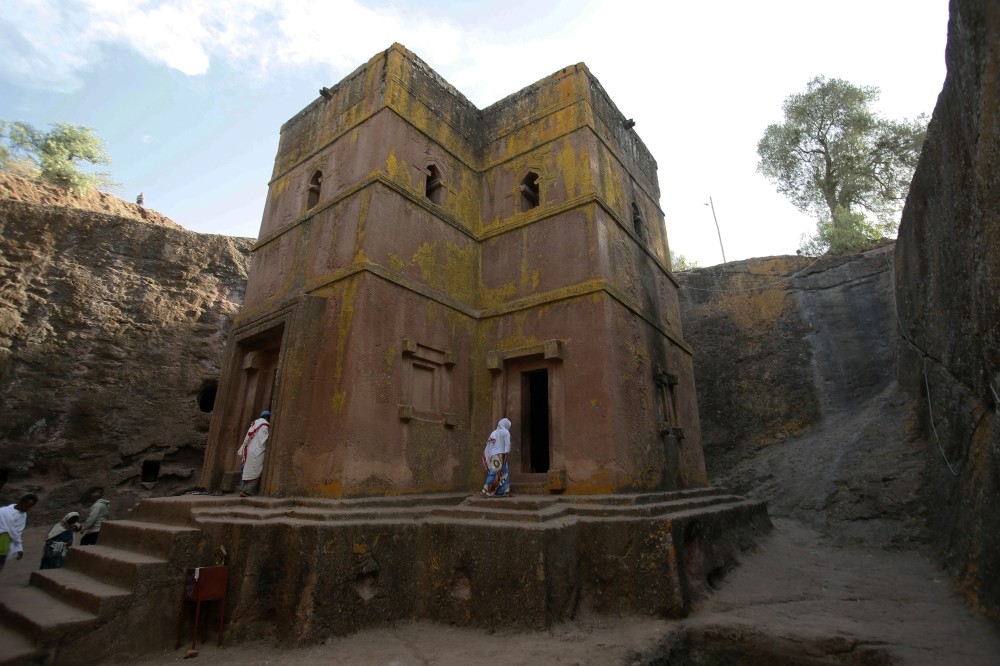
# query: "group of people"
x,y
14,519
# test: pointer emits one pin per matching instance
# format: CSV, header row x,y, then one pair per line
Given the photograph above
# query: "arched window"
x,y
529,191
433,189
312,196
637,224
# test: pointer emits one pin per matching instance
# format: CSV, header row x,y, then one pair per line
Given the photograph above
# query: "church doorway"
x,y
535,446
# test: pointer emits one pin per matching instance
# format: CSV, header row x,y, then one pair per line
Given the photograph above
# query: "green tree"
x,y
836,159
678,262
56,156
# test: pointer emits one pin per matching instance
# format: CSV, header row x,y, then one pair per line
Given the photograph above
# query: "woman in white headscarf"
x,y
59,540
495,460
251,453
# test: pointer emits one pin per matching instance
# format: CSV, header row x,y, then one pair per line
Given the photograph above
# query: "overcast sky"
x,y
189,95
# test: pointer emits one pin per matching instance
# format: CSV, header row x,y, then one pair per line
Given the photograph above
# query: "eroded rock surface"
x,y
113,321
948,270
799,405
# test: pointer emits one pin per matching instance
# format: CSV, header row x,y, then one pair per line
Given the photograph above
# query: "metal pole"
x,y
712,205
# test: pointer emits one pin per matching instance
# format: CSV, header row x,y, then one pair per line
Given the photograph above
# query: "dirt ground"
x,y
800,595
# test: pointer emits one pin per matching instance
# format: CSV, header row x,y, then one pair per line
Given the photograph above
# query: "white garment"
x,y
251,451
12,522
499,441
63,525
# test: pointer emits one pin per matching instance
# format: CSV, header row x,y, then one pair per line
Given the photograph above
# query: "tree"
x,y
835,158
678,262
55,156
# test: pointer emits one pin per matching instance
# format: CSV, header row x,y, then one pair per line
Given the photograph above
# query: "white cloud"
x,y
702,80
53,41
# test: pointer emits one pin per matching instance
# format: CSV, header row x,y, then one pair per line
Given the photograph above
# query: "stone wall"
x,y
795,363
113,320
948,277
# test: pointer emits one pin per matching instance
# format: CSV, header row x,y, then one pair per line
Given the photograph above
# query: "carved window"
x,y
426,390
637,224
433,188
666,403
312,195
530,195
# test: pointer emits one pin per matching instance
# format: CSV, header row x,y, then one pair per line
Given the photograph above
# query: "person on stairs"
x,y
99,512
59,540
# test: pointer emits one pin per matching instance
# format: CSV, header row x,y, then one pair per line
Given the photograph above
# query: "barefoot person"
x,y
13,519
251,453
495,460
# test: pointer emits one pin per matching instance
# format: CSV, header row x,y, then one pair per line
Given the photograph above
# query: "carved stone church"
x,y
425,268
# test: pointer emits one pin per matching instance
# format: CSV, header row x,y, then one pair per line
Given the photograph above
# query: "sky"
x,y
189,95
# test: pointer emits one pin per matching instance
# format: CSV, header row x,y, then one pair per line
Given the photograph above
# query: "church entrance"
x,y
534,419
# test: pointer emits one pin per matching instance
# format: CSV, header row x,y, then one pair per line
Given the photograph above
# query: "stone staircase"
x,y
103,601
331,567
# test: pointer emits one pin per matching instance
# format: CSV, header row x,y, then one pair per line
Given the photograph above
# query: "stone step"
x,y
187,510
650,510
170,510
78,589
113,566
16,649
40,616
532,509
736,505
157,539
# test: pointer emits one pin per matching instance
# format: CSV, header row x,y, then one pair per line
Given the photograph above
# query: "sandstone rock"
x,y
948,277
795,371
113,320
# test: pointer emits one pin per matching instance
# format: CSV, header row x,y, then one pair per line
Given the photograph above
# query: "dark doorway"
x,y
206,396
535,421
150,471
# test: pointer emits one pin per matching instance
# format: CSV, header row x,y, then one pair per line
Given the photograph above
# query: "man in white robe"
x,y
251,452
13,519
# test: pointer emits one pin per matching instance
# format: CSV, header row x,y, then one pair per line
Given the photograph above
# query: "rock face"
x,y
948,276
795,369
113,320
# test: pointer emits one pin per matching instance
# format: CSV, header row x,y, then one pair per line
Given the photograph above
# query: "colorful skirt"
x,y
497,477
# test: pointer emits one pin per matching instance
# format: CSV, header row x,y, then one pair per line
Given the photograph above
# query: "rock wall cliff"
x,y
113,321
795,363
948,294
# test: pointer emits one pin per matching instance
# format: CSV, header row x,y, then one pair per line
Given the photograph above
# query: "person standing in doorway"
x,y
251,452
495,460
13,519
99,512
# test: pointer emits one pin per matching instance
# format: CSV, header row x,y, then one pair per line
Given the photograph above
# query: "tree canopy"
x,y
678,262
836,159
56,156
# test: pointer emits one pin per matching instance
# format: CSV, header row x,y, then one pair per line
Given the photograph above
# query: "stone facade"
x,y
425,268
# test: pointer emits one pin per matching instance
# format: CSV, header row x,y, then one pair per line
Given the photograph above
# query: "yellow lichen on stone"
x,y
447,267
396,262
601,482
328,489
756,309
569,167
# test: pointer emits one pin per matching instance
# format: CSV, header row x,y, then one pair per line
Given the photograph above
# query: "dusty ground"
x,y
799,595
